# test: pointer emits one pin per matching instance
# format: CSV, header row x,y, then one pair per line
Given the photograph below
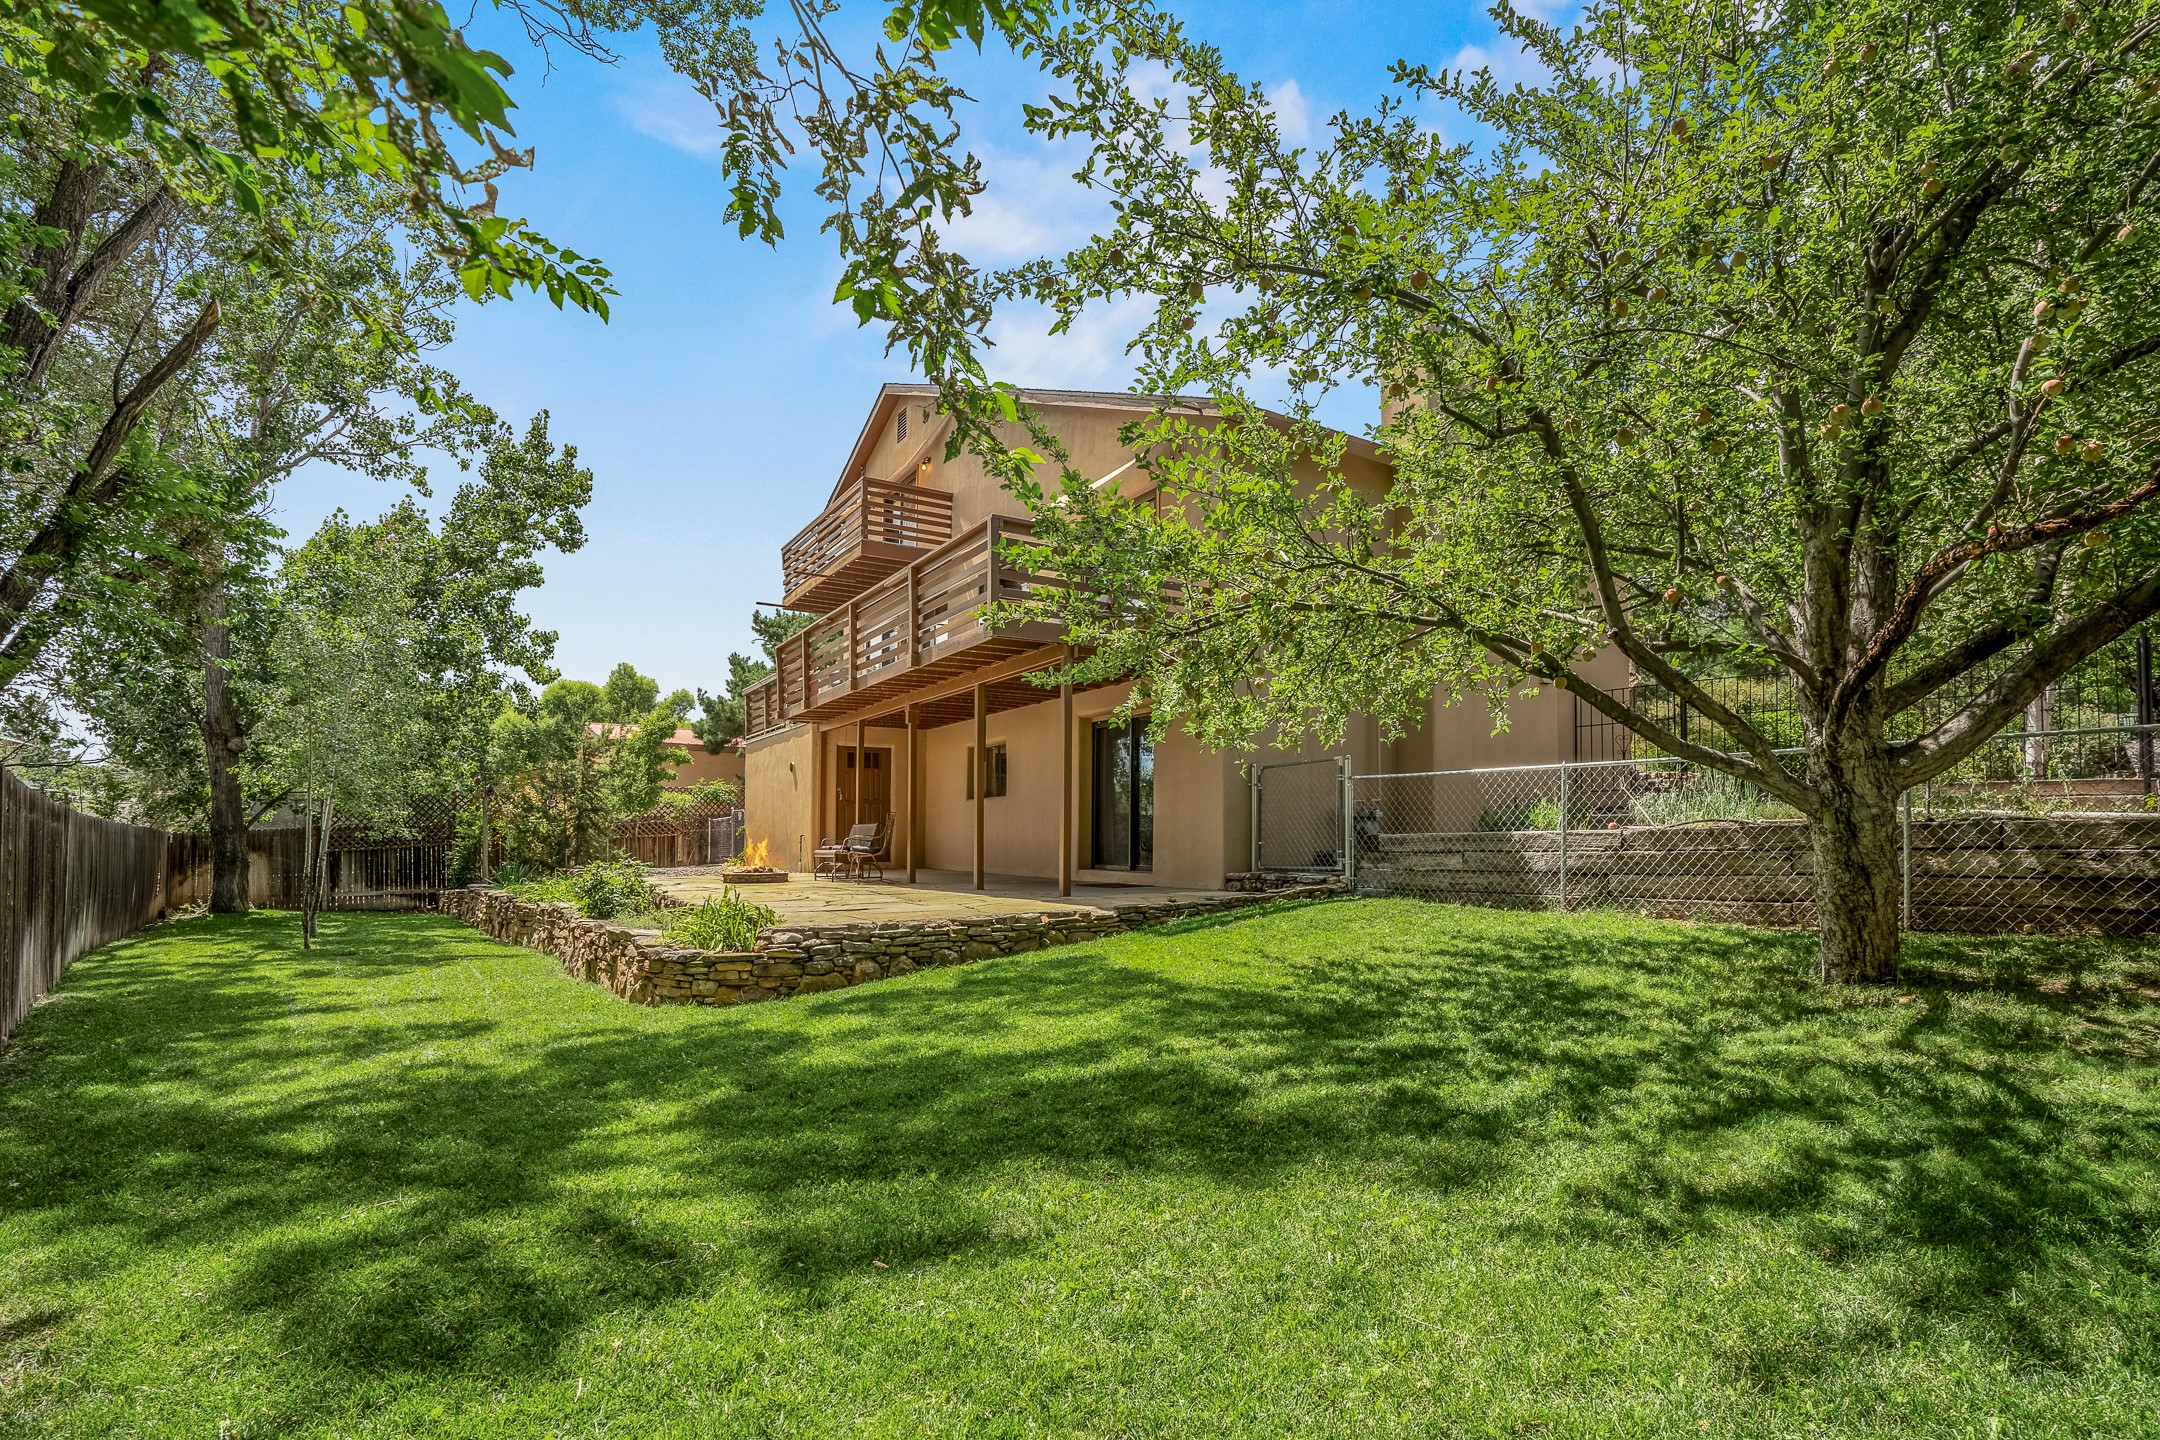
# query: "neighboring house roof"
x,y
614,730
874,423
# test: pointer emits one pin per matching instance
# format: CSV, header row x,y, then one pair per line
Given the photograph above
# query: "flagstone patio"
x,y
936,895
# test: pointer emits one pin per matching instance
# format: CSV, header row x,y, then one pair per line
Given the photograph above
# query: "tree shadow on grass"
x,y
477,1186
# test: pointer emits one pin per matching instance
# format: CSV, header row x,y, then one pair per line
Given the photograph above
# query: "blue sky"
x,y
717,405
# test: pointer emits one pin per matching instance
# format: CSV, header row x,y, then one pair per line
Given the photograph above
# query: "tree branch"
x,y
70,521
2007,696
1619,628
1906,617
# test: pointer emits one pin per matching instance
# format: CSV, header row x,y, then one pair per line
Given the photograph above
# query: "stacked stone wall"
x,y
805,959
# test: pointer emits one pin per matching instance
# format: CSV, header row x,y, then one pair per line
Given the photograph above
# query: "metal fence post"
x,y
1257,772
1564,767
1905,841
2145,711
1349,818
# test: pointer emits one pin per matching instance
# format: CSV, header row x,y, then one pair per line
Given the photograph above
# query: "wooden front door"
x,y
876,791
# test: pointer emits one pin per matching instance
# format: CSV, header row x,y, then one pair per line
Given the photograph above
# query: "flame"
x,y
755,855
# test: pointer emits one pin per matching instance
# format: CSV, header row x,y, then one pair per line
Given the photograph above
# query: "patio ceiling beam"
x,y
1039,658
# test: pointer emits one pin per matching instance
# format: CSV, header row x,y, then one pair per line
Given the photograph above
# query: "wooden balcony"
x,y
914,630
872,529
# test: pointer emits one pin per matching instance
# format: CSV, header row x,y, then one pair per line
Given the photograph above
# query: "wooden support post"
x,y
982,773
993,532
1065,785
914,615
914,772
851,646
818,833
860,787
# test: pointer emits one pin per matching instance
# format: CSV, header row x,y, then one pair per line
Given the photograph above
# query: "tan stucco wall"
x,y
777,795
1201,809
1020,826
701,766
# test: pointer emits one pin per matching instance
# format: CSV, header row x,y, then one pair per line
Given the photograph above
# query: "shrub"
x,y
608,888
728,923
602,890
464,859
1520,815
544,889
1695,795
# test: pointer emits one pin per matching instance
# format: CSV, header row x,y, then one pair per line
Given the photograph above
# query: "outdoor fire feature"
x,y
754,869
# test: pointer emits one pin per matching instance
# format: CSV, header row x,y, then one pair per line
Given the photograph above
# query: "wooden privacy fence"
x,y
366,872
69,883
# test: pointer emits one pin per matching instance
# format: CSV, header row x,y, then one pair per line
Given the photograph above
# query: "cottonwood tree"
x,y
379,89
1821,335
94,331
322,357
140,684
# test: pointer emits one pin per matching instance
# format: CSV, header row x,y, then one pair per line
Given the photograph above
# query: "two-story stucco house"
x,y
900,701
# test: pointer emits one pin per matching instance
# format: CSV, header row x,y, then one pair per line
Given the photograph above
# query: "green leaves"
x,y
361,90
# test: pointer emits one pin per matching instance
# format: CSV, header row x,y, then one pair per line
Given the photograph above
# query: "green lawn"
x,y
1361,1168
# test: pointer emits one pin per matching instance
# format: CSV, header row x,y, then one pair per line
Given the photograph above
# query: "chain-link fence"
x,y
2112,689
1298,820
2052,830
723,837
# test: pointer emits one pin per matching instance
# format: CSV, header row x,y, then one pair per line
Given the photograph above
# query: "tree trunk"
x,y
484,863
318,878
307,865
223,740
1859,874
2039,716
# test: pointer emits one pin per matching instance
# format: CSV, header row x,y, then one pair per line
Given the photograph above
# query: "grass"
x,y
1358,1169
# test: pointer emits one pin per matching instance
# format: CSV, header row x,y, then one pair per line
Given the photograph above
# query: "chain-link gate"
x,y
2052,831
723,837
1301,815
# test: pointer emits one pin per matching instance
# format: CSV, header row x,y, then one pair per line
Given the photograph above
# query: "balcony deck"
x,y
871,529
919,630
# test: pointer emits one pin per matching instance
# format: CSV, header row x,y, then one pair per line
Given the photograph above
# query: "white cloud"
x,y
1089,356
1509,67
1293,111
1032,206
663,107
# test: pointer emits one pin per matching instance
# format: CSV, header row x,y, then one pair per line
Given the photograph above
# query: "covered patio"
x,y
935,895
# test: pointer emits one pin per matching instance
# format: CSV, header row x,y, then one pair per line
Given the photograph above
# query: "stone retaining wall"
x,y
1249,881
1972,874
803,959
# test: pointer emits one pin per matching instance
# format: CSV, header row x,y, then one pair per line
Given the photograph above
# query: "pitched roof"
x,y
874,423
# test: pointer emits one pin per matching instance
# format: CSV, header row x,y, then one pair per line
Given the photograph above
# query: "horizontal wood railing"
x,y
930,610
863,536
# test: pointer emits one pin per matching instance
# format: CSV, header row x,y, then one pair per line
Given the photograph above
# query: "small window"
x,y
993,772
900,426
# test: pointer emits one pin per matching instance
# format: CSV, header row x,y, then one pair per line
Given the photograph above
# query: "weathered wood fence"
x,y
366,872
69,883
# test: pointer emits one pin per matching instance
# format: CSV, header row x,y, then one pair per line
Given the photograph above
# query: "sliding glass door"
x,y
1124,802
